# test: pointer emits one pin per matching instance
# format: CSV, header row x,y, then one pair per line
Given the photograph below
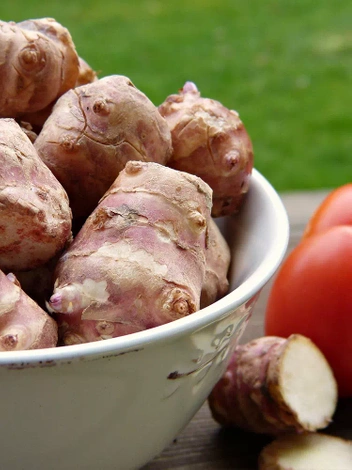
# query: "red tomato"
x,y
312,295
336,209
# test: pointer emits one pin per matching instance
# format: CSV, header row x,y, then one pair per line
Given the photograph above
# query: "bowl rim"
x,y
170,331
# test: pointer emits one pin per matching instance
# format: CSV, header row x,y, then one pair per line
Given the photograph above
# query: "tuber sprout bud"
x,y
69,143
105,327
181,307
133,167
189,87
8,342
101,107
29,57
231,159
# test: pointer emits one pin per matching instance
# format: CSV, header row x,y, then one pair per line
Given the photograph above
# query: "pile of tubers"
x,y
107,207
106,200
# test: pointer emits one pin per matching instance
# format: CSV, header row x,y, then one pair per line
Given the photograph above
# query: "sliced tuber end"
x,y
311,451
306,384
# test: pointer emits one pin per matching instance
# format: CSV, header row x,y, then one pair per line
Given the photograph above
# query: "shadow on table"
x,y
238,448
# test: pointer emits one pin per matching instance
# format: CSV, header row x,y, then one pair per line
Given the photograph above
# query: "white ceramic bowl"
x,y
115,404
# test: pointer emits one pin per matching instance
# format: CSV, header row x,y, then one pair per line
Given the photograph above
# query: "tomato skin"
x,y
312,295
336,209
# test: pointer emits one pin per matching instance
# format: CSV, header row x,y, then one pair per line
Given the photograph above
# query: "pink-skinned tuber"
x,y
86,73
23,324
27,128
211,142
93,131
37,119
276,385
38,63
139,260
35,217
218,257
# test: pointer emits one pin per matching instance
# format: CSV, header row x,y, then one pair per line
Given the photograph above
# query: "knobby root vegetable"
x,y
86,73
38,63
139,260
275,385
308,451
93,131
23,324
38,118
211,142
35,217
218,258
28,130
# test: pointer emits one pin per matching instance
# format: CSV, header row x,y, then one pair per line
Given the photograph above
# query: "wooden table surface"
x,y
203,444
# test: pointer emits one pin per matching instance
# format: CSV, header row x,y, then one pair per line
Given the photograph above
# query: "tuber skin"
x,y
28,130
23,324
35,217
139,260
86,74
37,119
93,131
218,258
275,385
38,63
211,142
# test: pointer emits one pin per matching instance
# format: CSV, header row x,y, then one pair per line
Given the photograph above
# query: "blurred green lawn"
x,y
284,65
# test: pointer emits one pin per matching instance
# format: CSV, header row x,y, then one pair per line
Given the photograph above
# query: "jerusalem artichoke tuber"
x,y
38,63
274,385
93,131
37,119
23,324
28,130
35,217
308,451
139,260
211,142
86,73
218,259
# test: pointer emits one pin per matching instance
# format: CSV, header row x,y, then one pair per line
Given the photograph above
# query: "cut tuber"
x,y
275,385
308,451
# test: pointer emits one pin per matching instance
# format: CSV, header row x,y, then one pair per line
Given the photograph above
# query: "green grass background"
x,y
284,65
